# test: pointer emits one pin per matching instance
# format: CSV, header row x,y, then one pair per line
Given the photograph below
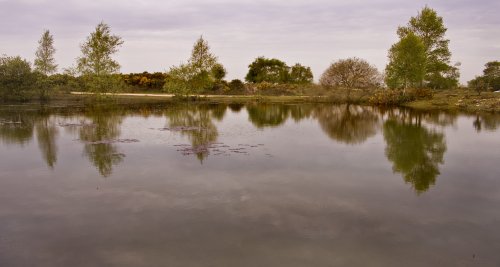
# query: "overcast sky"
x,y
160,33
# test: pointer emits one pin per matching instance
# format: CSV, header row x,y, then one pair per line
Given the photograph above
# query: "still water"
x,y
248,185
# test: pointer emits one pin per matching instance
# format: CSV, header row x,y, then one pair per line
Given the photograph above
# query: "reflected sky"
x,y
249,185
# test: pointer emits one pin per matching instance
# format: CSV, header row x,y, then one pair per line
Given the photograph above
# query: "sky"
x,y
158,34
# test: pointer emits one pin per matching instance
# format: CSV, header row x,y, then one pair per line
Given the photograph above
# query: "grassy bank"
x,y
453,100
461,100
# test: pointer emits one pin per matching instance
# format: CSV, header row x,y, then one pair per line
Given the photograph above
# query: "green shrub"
x,y
390,97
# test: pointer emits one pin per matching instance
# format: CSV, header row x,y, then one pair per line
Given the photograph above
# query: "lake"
x,y
248,185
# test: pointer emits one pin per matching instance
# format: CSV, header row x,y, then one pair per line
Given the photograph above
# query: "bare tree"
x,y
351,73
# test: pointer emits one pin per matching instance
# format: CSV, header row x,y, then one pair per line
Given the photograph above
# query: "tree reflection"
x,y
488,122
46,133
415,151
98,136
195,122
267,115
16,128
346,123
301,111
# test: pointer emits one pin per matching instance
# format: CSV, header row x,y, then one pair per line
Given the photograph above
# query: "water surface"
x,y
248,185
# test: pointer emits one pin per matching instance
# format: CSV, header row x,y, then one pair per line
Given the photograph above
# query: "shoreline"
x,y
452,101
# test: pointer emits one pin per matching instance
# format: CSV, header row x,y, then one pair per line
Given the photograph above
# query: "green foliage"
x,y
429,27
387,97
201,73
96,64
277,72
16,78
202,60
237,85
490,80
44,61
300,74
185,79
407,63
218,72
267,70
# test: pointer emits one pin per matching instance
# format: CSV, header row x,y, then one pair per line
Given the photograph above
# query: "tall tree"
x,y
407,63
96,63
430,28
45,61
200,73
201,57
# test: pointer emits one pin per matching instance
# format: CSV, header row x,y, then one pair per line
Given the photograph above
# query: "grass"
x,y
463,100
455,100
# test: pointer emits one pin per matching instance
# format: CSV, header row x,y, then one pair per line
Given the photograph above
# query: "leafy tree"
x,y
301,74
199,74
45,61
490,80
267,70
429,27
237,85
45,65
16,78
218,72
202,60
407,63
351,73
96,64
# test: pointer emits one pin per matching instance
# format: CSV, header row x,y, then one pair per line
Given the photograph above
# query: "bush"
x,y
237,86
17,81
390,97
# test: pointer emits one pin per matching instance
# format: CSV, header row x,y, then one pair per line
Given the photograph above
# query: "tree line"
x,y
420,59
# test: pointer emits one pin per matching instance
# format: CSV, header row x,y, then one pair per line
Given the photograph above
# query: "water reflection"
x,y
267,115
98,135
415,142
488,122
16,128
47,133
348,124
415,151
195,122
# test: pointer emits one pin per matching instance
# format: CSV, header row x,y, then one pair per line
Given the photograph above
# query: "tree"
x,y
218,72
490,80
429,27
16,78
202,60
407,63
96,64
44,61
267,70
351,73
200,73
301,74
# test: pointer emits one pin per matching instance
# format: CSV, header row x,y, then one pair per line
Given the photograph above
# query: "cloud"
x,y
159,34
